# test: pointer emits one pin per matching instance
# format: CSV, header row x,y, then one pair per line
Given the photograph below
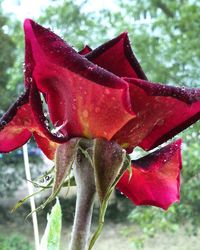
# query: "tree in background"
x,y
7,48
165,35
76,26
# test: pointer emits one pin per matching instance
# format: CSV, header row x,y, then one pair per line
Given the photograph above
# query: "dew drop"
x,y
3,123
58,134
90,68
105,133
107,91
47,178
159,122
46,123
97,110
85,113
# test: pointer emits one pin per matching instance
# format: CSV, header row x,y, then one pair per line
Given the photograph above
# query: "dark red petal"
x,y
85,50
162,112
155,178
45,139
15,124
47,146
83,99
117,57
18,124
40,119
43,46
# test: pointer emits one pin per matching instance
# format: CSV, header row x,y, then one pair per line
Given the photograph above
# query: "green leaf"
x,y
52,234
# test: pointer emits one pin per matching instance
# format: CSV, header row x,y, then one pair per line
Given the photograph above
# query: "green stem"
x,y
85,182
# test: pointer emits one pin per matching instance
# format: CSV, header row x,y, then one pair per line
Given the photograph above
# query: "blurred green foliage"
x,y
165,37
168,44
14,242
7,50
12,172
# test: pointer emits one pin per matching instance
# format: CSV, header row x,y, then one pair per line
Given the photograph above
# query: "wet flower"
x,y
101,93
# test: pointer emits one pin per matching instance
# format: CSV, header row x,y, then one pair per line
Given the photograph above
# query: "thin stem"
x,y
84,176
32,200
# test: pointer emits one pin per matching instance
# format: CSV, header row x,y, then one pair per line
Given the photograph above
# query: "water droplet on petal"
x,y
107,91
97,110
105,133
3,123
90,68
85,113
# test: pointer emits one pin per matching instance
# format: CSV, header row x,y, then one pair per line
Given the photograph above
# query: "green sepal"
x,y
108,159
110,163
65,156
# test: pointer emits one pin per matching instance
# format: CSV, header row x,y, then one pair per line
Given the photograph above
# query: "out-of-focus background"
x,y
165,37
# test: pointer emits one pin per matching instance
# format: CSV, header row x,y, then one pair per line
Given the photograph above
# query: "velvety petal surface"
x,y
83,99
14,125
162,112
47,146
18,124
117,57
155,178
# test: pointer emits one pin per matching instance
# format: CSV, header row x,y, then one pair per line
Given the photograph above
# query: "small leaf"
x,y
52,234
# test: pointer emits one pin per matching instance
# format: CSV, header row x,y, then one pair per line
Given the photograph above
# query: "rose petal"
x,y
117,57
162,112
45,139
18,124
83,99
40,119
155,178
14,125
47,146
85,50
